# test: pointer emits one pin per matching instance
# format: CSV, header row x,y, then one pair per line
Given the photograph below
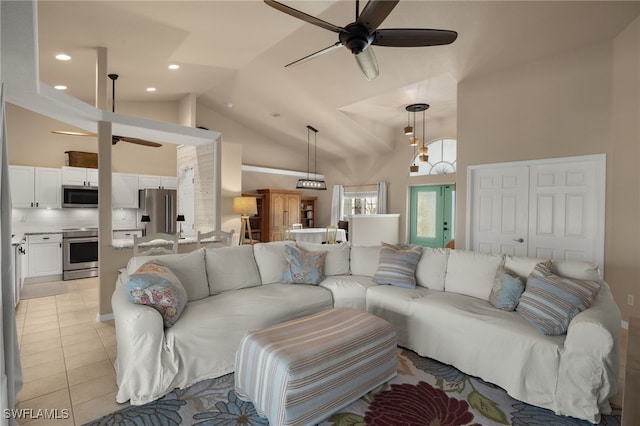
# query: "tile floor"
x,y
67,356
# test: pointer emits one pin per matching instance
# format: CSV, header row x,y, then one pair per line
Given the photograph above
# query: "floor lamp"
x,y
245,206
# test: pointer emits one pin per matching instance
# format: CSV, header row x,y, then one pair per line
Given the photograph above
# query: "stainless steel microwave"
x,y
79,196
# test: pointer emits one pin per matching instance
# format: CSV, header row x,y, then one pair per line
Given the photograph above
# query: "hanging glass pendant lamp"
x,y
413,140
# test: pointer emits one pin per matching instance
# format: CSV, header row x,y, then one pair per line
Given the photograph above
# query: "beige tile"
x,y
41,313
92,389
40,336
37,320
43,357
85,336
81,348
95,408
41,371
54,400
76,328
112,350
29,345
79,360
64,307
60,421
90,372
43,386
40,328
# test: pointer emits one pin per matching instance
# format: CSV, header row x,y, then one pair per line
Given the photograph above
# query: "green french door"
x,y
431,215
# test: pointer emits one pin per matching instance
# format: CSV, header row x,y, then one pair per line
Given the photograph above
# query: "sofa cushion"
x,y
471,273
506,291
156,286
576,269
364,260
348,290
397,265
190,270
432,268
550,301
270,260
231,268
337,260
302,266
521,266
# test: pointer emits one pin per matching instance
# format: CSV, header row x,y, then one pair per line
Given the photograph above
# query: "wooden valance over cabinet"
x,y
281,207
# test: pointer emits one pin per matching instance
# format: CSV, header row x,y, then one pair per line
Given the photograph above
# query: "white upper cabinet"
x,y
153,181
124,191
35,187
79,176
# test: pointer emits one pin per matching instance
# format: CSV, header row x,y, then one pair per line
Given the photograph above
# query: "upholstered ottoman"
x,y
302,371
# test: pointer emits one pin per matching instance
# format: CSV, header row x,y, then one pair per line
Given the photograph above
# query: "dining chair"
x,y
153,244
214,239
331,235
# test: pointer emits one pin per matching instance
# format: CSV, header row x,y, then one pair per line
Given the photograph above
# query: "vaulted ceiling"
x,y
234,52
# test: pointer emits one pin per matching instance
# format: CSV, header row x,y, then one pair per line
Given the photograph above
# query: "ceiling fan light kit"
x,y
360,35
308,183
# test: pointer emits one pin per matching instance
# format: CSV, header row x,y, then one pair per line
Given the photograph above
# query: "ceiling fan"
x,y
359,36
114,138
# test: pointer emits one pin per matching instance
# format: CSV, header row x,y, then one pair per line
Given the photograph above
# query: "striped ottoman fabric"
x,y
302,371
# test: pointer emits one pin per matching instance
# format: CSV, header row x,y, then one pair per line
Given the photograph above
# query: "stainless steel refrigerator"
x,y
159,207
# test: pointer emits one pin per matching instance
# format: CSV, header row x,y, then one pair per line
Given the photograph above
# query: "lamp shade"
x,y
145,218
245,205
180,218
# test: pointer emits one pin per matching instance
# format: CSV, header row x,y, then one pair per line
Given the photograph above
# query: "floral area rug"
x,y
425,392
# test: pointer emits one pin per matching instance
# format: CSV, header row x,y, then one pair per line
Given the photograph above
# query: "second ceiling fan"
x,y
359,36
115,138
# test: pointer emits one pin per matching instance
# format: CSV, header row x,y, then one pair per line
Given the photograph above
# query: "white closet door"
x,y
564,212
499,220
544,208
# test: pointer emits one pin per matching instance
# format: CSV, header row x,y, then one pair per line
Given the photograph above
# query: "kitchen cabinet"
x,y
281,208
79,176
35,187
44,255
124,191
153,181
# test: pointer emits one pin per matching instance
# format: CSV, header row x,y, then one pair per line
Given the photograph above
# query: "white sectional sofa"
x,y
447,316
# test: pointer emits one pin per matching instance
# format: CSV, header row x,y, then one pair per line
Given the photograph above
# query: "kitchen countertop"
x,y
122,243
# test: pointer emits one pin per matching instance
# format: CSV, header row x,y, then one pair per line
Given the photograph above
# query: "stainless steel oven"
x,y
79,253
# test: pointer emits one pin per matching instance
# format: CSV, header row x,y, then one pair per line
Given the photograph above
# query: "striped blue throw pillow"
x,y
550,301
397,265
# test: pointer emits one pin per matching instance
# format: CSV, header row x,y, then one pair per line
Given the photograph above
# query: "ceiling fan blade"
x,y
375,12
368,63
301,15
413,37
315,55
72,133
138,141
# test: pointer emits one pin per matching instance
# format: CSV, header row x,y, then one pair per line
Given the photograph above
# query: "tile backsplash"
x,y
46,220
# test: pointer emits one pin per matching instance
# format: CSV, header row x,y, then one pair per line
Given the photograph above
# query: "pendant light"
x,y
309,183
409,129
413,140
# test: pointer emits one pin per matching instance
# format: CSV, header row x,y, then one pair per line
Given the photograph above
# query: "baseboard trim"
x,y
104,317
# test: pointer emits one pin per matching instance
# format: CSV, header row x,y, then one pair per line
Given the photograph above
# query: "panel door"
x,y
22,186
44,259
92,177
293,209
563,215
124,191
499,210
48,187
277,215
76,176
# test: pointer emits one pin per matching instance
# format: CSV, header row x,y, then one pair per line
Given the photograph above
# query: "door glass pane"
x,y
426,214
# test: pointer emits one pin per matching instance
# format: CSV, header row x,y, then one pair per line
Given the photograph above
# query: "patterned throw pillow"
x,y
550,301
506,291
156,286
397,265
302,266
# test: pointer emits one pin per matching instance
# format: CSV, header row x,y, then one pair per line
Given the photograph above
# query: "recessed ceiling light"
x,y
151,89
229,104
63,57
174,66
60,87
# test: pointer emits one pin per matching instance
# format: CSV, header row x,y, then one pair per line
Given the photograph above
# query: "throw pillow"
x,y
397,265
550,301
506,291
302,266
156,286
